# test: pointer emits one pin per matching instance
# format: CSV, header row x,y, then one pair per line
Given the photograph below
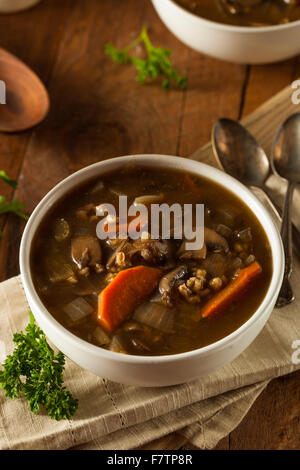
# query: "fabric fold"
x,y
116,416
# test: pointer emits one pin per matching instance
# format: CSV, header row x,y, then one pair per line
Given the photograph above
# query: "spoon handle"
x,y
295,231
286,295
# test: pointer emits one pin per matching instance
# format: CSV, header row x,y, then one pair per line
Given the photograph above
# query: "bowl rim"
x,y
228,27
167,161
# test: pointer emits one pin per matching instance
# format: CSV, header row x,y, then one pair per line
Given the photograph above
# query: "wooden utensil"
x,y
27,100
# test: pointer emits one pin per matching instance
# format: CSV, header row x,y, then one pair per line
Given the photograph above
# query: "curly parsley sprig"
x,y
156,64
35,371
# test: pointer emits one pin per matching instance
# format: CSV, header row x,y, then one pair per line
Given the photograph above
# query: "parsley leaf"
x,y
13,206
156,64
4,176
35,371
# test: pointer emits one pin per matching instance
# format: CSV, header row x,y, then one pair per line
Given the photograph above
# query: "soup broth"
x,y
244,12
73,270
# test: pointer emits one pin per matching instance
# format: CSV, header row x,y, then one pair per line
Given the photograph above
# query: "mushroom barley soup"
x,y
150,296
245,12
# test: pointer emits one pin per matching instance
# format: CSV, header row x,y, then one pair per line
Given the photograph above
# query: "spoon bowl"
x,y
286,161
239,154
27,100
286,150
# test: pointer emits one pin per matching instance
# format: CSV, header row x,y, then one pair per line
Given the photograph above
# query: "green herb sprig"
x,y
35,371
4,176
14,206
156,64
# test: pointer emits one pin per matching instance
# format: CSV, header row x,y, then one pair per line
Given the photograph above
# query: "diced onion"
x,y
116,345
155,315
58,270
245,235
78,309
101,337
99,186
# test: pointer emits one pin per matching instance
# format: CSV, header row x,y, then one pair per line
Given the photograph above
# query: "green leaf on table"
x,y
4,176
36,372
13,206
156,64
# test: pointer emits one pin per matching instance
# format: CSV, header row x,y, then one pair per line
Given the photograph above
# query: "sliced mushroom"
x,y
133,326
150,250
167,282
223,230
148,199
141,336
215,264
183,253
212,240
86,251
215,241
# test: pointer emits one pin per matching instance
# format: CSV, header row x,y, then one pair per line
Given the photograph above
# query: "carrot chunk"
x,y
232,291
129,288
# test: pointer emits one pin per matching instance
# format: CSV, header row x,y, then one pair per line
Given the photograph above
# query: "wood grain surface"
x,y
98,111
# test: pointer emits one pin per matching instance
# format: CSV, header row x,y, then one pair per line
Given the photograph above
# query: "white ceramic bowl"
x,y
241,44
11,6
162,370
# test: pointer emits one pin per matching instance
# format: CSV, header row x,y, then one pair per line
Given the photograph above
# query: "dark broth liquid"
x,y
265,13
133,181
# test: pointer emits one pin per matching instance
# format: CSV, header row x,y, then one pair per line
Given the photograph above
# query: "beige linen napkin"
x,y
115,416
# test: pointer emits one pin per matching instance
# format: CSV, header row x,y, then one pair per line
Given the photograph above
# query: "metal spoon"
x,y
286,161
240,155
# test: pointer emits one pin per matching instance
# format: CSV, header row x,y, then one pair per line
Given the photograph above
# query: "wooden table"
x,y
98,111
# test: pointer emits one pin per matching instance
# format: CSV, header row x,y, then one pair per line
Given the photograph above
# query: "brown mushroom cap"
x,y
86,251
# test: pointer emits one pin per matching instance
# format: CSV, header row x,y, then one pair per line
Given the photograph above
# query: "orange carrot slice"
x,y
129,288
232,291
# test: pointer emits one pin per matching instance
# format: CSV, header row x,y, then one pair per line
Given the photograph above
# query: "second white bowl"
x,y
241,44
